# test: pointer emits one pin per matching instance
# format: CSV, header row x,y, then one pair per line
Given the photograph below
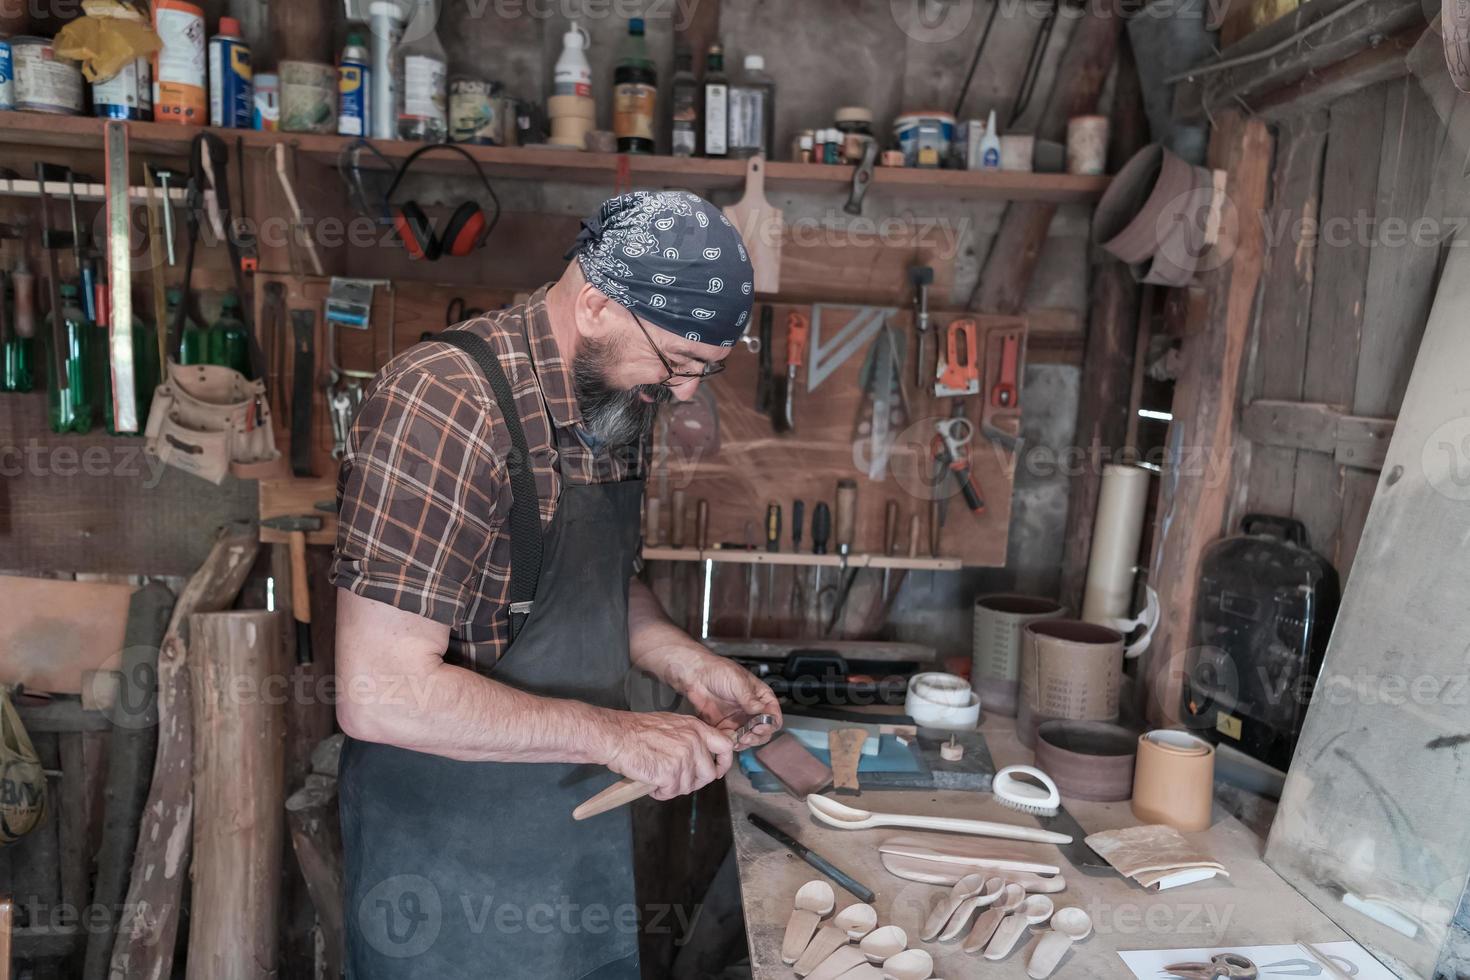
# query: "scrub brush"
x,y
1023,793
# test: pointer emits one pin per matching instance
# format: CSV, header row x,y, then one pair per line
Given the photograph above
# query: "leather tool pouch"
x,y
210,420
22,778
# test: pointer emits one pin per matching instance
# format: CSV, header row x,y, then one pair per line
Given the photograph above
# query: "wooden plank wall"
x,y
1346,294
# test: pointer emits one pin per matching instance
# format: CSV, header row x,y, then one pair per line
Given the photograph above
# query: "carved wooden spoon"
x,y
857,920
911,964
814,901
1010,900
960,921
1069,925
1033,912
964,888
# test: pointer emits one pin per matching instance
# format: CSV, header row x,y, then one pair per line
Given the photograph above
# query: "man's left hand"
x,y
725,694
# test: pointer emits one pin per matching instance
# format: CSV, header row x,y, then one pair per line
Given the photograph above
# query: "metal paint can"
x,y
308,97
477,111
924,137
178,67
44,82
126,95
1087,145
231,80
267,114
7,76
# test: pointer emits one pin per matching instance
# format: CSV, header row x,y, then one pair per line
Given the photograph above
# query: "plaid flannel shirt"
x,y
423,492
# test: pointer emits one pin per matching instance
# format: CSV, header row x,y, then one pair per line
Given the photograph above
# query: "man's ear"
x,y
595,312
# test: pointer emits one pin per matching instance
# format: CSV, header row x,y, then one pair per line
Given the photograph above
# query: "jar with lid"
x,y
855,123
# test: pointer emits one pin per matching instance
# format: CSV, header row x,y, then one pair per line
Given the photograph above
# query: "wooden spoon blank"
x,y
964,888
828,940
814,900
1034,911
857,920
959,923
1068,925
985,926
838,964
619,793
938,873
911,964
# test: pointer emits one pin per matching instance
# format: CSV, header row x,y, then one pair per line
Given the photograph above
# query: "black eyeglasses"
x,y
676,378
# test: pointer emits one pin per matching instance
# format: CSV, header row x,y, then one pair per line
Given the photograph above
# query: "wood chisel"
x,y
765,402
890,540
627,790
798,513
921,276
798,329
821,532
773,545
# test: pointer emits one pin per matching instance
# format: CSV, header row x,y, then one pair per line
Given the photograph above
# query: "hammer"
x,y
297,528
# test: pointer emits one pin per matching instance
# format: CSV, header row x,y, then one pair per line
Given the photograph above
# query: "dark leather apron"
x,y
462,869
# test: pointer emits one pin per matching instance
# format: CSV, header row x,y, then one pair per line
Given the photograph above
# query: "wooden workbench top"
x,y
1252,906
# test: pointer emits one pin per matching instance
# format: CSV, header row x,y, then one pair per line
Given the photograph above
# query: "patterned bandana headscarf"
x,y
673,259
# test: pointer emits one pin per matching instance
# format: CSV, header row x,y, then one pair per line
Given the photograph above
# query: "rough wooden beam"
x,y
1381,63
1017,247
1198,478
1352,440
316,838
7,911
145,943
1107,363
240,795
1350,33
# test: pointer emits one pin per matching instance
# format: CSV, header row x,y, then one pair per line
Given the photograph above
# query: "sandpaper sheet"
x,y
1153,847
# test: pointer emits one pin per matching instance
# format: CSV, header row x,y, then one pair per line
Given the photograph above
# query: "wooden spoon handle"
x,y
619,793
934,925
799,929
1048,955
1005,937
984,929
828,940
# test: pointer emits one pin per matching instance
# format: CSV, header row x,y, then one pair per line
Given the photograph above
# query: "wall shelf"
x,y
38,130
741,556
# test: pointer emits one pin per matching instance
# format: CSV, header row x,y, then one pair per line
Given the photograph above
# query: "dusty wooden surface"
x,y
1252,906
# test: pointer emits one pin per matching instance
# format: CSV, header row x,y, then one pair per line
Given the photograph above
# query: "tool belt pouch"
x,y
22,778
210,420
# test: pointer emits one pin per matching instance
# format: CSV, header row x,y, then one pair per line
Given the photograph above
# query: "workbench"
x,y
1253,906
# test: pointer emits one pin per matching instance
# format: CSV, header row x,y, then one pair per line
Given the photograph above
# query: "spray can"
x,y
7,76
354,75
178,68
267,114
126,95
231,80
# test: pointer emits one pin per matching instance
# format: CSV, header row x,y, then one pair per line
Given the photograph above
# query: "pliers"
x,y
1222,966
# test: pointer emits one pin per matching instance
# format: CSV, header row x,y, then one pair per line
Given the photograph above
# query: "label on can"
x,y
231,88
267,115
352,99
178,67
44,82
475,112
7,77
308,97
633,104
716,110
126,95
423,87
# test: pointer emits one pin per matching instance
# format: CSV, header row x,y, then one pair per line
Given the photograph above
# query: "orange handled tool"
x,y
798,329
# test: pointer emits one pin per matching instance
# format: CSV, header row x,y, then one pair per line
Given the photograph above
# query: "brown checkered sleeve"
x,y
417,493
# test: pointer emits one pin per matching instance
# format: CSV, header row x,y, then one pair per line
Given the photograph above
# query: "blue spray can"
x,y
7,76
231,81
352,88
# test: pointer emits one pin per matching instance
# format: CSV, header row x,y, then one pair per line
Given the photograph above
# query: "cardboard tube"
x,y
1070,670
995,667
1174,780
1115,537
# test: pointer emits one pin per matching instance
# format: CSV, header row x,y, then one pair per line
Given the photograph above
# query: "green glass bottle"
x,y
145,378
194,348
228,341
69,401
17,366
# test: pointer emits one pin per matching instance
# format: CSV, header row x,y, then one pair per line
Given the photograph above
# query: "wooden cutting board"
x,y
53,631
761,225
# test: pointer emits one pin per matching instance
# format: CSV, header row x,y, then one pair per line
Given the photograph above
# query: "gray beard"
x,y
616,418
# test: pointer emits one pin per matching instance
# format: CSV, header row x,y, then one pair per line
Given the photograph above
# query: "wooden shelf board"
x,y
737,556
542,163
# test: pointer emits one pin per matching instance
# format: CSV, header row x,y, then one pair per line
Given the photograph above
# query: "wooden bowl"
x,y
1090,760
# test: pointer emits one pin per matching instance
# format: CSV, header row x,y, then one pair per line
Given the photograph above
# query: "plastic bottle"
x,y
990,145
635,93
228,343
684,105
178,67
573,73
231,80
571,108
354,80
752,110
17,367
70,407
422,69
716,86
194,345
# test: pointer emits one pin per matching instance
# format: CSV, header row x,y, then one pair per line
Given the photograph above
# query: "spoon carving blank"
x,y
964,888
960,921
1069,925
1033,912
1010,900
845,817
814,901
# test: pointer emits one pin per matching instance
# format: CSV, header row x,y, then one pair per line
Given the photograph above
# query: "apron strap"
x,y
525,512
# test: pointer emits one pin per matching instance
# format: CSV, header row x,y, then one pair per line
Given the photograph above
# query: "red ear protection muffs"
x,y
466,229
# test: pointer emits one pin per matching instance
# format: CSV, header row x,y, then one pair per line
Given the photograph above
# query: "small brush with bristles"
x,y
1010,790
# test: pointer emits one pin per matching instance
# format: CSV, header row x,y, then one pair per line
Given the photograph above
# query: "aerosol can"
x,y
354,88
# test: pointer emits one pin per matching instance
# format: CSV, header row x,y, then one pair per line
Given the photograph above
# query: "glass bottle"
x,y
17,367
228,342
421,70
752,111
716,86
69,399
635,93
684,105
194,345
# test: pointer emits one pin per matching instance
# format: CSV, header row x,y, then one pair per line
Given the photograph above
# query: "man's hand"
x,y
725,694
675,754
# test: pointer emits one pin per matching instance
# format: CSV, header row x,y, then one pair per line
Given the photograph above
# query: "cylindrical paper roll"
x,y
937,700
995,667
1070,670
1174,780
1115,537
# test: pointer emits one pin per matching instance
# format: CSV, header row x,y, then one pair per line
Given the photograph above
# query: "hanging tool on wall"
x,y
1000,413
126,397
155,269
51,241
749,581
764,383
274,338
958,369
862,178
832,349
921,277
798,599
81,241
821,532
798,330
166,179
846,528
773,545
298,527
303,379
884,410
701,541
952,450
242,233
890,540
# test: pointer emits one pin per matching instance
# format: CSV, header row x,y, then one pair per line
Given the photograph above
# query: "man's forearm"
x,y
655,644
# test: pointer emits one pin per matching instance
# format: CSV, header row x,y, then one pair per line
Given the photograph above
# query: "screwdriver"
x,y
773,544
821,531
798,511
890,540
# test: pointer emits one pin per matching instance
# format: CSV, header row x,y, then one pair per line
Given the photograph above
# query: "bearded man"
x,y
489,618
